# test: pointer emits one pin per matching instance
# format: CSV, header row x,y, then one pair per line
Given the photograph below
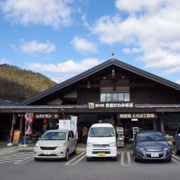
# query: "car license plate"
x,y
101,154
47,152
154,154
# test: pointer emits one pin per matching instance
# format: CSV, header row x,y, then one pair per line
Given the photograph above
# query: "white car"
x,y
101,141
55,144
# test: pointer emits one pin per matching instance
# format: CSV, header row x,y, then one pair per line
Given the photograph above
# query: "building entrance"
x,y
129,124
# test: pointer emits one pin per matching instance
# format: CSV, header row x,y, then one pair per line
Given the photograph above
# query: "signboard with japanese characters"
x,y
92,105
138,116
46,116
16,137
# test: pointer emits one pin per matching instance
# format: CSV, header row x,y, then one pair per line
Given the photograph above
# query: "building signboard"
x,y
138,116
16,137
64,124
92,105
46,116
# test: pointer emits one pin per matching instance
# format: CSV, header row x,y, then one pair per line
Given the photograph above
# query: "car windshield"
x,y
54,136
101,132
150,137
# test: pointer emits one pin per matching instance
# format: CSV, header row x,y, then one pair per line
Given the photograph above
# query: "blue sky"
x,y
61,38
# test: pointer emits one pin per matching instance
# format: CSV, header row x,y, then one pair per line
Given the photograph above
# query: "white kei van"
x,y
101,141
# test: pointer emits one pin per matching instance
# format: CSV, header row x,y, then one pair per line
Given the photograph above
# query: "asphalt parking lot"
x,y
21,165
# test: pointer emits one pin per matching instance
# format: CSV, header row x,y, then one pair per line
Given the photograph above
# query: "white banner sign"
x,y
65,124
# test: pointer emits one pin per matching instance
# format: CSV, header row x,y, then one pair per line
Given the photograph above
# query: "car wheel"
x,y
36,159
88,159
135,158
67,155
168,160
114,158
177,152
75,150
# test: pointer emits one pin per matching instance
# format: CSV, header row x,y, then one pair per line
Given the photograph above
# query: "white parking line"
x,y
79,158
128,159
122,158
24,160
18,158
176,161
176,157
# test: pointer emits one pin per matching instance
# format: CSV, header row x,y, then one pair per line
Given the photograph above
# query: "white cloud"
x,y
153,28
172,70
138,5
4,61
67,69
83,45
47,12
34,47
178,81
69,66
85,23
131,51
57,79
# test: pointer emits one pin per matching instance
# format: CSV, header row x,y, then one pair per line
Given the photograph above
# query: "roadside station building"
x,y
113,92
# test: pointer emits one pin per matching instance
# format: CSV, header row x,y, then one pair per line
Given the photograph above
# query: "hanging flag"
x,y
29,122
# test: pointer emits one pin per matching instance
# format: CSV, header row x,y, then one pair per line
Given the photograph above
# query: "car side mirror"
x,y
39,138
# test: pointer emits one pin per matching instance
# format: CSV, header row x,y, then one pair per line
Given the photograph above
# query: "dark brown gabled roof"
x,y
98,68
6,102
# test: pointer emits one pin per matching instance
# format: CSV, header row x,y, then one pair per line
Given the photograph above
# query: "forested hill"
x,y
18,84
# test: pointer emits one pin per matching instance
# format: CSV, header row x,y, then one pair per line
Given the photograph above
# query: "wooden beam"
x,y
116,78
119,85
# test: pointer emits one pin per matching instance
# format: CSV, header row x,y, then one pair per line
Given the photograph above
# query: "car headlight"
x,y
89,144
165,149
37,145
142,149
60,145
113,144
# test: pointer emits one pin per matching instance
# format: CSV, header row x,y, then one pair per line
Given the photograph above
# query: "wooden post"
x,y
21,128
64,116
162,127
112,119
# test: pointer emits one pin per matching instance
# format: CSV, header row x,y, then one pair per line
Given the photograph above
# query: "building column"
x,y
21,128
64,116
162,127
155,124
112,119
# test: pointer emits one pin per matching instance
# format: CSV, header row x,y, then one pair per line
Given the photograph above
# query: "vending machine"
x,y
120,136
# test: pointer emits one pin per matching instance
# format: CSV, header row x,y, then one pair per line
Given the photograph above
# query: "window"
x,y
126,97
69,135
108,97
115,97
103,97
120,97
72,134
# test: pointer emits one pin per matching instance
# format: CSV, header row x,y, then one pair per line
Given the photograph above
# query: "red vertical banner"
x,y
29,122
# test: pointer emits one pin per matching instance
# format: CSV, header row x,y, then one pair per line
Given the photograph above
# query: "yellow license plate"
x,y
101,154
